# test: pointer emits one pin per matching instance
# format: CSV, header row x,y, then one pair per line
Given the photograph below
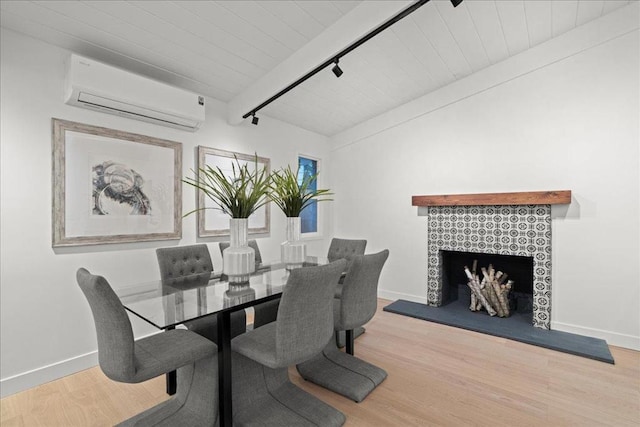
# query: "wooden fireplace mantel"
x,y
560,197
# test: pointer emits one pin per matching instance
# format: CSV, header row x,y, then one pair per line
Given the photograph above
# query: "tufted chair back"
x,y
179,261
345,248
185,267
252,244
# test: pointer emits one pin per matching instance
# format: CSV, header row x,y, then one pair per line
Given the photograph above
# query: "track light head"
x,y
456,2
255,119
336,69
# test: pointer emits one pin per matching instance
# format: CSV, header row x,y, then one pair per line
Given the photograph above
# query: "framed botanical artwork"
x,y
111,186
211,221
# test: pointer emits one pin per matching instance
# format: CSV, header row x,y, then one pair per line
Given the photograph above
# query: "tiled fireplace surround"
x,y
468,223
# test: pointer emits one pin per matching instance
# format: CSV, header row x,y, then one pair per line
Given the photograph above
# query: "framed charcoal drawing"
x,y
111,186
211,221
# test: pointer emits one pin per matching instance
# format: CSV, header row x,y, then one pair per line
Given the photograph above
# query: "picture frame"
x,y
111,186
211,221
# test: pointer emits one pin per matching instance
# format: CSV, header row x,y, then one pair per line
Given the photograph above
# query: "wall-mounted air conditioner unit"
x,y
100,87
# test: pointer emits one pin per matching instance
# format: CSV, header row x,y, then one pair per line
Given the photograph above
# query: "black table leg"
x,y
224,368
172,379
349,341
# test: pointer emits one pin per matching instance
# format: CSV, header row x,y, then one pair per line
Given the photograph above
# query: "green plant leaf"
x,y
293,197
238,195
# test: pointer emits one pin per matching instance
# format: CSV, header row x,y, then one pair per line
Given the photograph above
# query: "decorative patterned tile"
x,y
505,230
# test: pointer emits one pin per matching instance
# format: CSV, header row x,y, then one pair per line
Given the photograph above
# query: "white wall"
x,y
46,327
562,116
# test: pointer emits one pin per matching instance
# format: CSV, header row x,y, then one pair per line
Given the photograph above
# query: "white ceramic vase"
x,y
239,260
293,251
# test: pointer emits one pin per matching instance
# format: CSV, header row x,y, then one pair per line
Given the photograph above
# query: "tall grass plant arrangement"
x,y
238,195
291,196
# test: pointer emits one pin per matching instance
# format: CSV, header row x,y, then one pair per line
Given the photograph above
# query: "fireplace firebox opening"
x,y
454,279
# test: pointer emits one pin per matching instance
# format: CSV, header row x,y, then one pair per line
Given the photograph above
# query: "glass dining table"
x,y
169,303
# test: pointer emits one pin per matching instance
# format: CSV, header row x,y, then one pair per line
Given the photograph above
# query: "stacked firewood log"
x,y
492,293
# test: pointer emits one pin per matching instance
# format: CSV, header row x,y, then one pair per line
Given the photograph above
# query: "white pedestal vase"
x,y
293,251
239,260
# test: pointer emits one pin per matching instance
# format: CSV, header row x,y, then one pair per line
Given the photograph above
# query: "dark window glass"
x,y
309,216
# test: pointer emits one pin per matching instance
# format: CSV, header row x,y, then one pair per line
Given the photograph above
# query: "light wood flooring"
x,y
438,376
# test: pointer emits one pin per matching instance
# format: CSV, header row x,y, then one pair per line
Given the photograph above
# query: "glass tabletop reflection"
x,y
168,303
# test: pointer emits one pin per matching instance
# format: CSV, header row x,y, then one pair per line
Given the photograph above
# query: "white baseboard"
x,y
45,374
42,375
52,372
612,338
391,295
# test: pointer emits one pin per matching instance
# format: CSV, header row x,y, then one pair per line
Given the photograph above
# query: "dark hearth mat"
x,y
517,327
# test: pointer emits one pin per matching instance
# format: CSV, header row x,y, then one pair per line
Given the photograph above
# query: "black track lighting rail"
x,y
335,58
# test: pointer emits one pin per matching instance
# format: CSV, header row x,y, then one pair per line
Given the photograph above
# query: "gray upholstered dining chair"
x,y
179,262
347,249
265,312
262,392
127,360
342,372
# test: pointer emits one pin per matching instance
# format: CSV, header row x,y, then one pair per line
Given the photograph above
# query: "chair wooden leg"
x,y
349,341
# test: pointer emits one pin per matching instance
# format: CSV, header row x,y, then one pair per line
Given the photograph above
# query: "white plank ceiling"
x,y
220,48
